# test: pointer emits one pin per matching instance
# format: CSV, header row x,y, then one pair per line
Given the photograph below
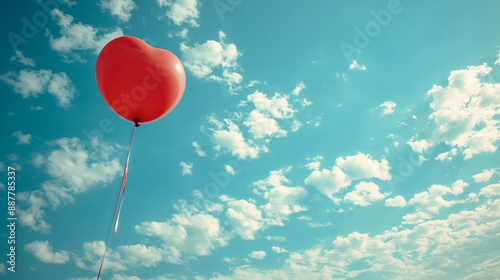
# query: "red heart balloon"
x,y
139,82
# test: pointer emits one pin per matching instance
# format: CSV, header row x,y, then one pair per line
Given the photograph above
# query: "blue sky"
x,y
315,140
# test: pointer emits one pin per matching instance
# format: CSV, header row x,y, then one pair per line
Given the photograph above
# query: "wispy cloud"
x,y
19,57
199,151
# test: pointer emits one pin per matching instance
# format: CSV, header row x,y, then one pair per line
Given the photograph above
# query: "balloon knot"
x,y
136,123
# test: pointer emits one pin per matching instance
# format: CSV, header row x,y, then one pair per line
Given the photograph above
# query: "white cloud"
x,y
257,255
484,176
329,182
277,106
232,140
276,238
244,217
19,57
92,254
279,250
397,201
199,151
34,215
419,146
261,126
388,108
465,112
229,169
306,102
182,11
364,194
123,258
416,218
301,86
356,66
447,155
42,250
74,167
78,36
183,33
491,190
296,125
432,200
282,200
458,187
33,83
22,139
68,2
314,163
36,108
421,250
362,166
62,88
186,168
141,254
498,60
215,61
189,233
265,120
119,8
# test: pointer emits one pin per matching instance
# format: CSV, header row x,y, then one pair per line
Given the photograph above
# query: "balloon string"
x,y
119,201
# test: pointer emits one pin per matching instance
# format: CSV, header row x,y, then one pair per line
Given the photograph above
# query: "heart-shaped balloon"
x,y
139,82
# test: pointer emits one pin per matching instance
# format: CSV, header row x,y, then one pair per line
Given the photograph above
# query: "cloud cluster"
x,y
73,168
282,200
79,37
189,233
244,216
31,83
465,113
421,251
228,136
265,121
122,258
361,166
